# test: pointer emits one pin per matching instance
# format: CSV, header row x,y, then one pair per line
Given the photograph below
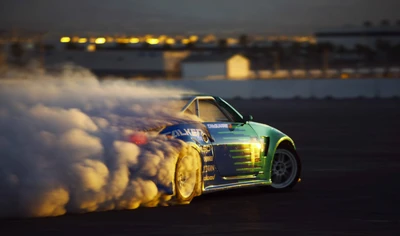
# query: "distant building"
x,y
136,63
349,37
2,59
234,66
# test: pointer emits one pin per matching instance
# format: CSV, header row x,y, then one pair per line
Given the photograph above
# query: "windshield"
x,y
236,116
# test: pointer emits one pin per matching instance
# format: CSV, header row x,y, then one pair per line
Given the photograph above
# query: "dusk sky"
x,y
197,16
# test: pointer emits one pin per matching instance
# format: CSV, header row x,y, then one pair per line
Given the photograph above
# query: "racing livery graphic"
x,y
229,150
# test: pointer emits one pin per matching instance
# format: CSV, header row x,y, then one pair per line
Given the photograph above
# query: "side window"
x,y
191,110
227,113
209,111
232,114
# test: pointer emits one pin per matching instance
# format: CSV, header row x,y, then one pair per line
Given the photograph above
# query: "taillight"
x,y
139,138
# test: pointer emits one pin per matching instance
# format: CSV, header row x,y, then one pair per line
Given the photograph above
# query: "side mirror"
x,y
247,118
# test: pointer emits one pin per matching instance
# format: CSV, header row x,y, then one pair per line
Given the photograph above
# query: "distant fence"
x,y
285,89
346,72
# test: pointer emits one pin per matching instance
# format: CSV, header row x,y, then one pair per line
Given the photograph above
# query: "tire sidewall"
x,y
298,171
191,153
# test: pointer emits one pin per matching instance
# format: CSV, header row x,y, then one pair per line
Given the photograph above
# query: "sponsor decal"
x,y
205,149
186,132
208,158
208,168
209,177
218,126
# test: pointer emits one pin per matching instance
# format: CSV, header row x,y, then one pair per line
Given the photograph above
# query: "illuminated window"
x,y
91,48
65,39
152,41
100,40
82,40
191,110
209,38
209,111
170,41
232,41
134,40
122,40
193,38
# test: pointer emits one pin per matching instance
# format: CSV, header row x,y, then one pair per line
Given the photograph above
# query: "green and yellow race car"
x,y
228,150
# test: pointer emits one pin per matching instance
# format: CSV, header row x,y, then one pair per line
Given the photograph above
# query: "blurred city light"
x,y
65,40
152,41
344,76
170,41
100,41
134,40
122,40
110,39
91,48
194,38
82,40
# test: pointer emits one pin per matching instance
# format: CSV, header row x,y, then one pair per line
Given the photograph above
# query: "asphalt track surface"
x,y
350,182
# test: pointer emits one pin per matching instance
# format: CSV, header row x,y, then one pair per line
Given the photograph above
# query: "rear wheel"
x,y
285,170
188,177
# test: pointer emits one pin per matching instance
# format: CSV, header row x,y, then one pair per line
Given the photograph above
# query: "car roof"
x,y
192,96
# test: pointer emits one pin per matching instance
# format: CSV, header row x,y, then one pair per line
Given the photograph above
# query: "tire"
x,y
188,176
285,169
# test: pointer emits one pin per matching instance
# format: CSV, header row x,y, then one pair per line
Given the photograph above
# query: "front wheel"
x,y
286,168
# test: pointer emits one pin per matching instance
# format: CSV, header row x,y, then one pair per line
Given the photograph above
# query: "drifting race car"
x,y
229,151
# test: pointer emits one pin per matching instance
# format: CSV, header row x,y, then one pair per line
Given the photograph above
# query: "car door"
x,y
236,145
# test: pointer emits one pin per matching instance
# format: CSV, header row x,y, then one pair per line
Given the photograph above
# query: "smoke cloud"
x,y
64,145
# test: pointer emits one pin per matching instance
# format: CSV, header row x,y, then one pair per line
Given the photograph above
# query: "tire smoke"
x,y
64,144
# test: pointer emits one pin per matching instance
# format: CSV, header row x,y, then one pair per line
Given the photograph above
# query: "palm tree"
x,y
385,22
17,51
295,48
144,45
364,51
325,47
367,24
222,44
311,54
277,53
396,53
190,45
243,40
341,49
384,47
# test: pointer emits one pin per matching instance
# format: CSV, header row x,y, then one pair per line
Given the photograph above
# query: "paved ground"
x,y
351,157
